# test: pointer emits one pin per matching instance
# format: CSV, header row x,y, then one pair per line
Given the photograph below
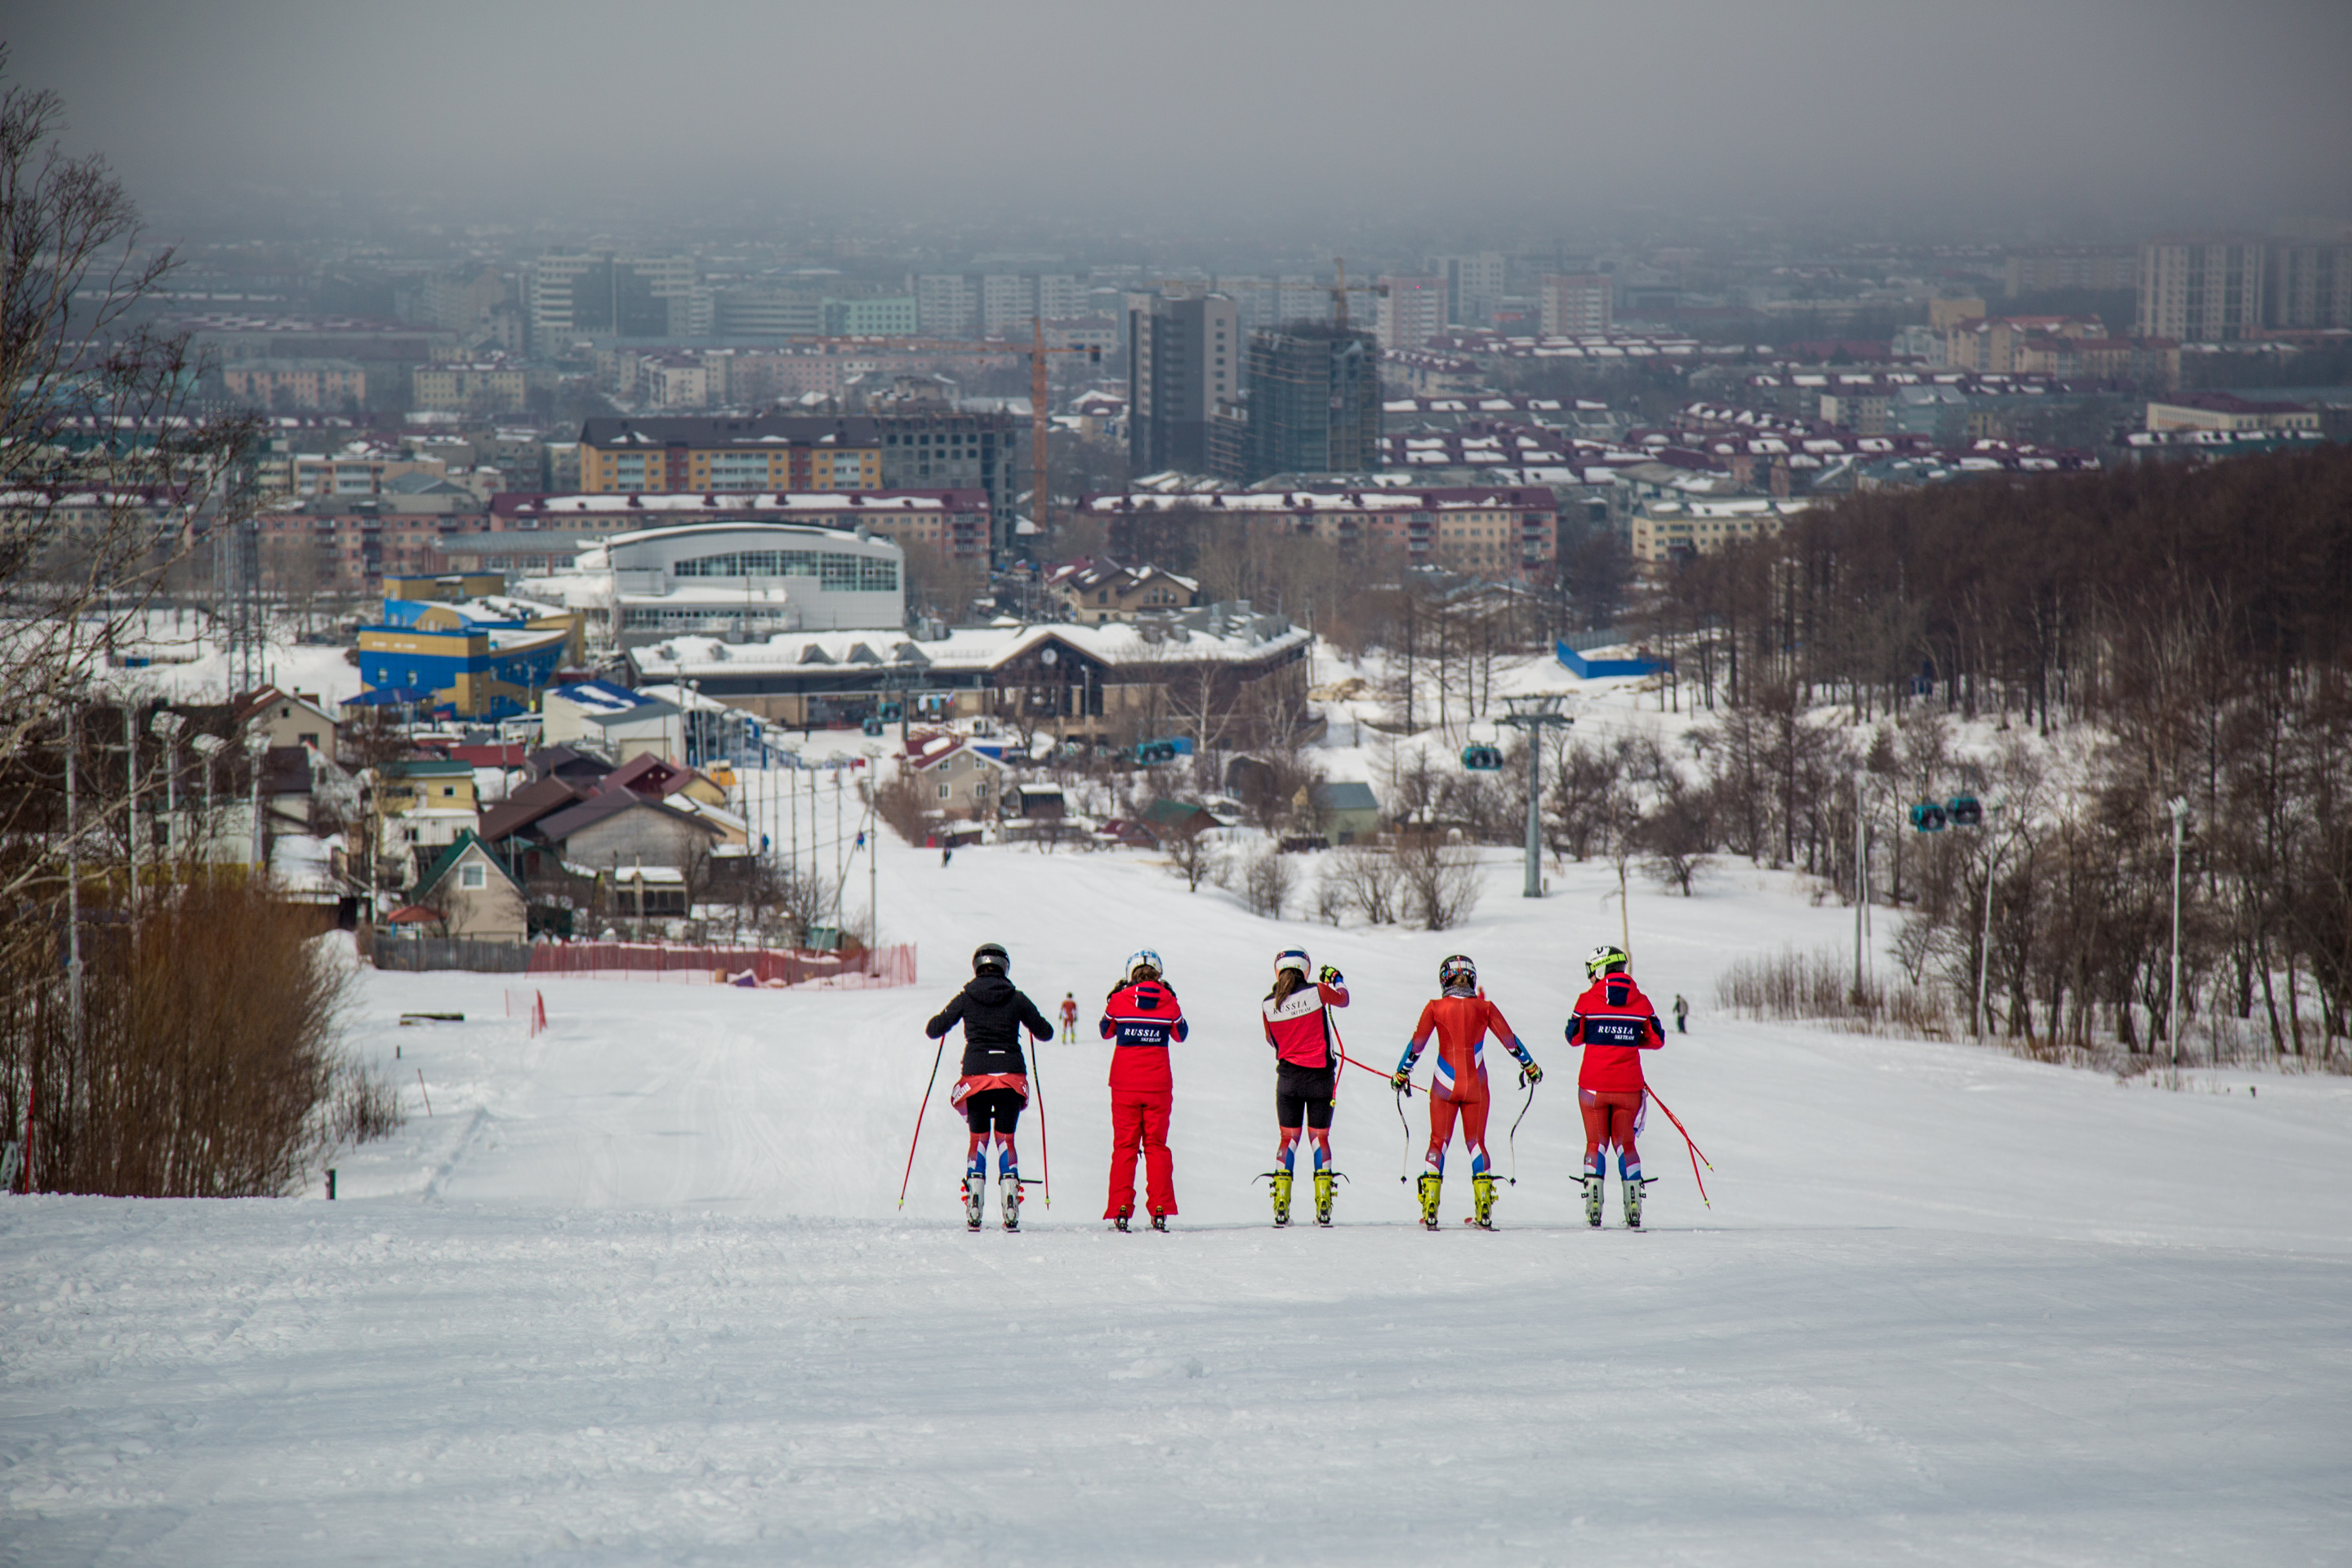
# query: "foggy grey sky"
x,y
1519,110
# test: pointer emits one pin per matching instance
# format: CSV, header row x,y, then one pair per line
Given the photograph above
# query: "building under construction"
x,y
1313,404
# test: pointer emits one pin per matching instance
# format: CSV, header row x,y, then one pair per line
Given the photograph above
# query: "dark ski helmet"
x,y
991,955
1458,973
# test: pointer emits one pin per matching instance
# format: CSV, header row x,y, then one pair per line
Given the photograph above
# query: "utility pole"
x,y
2179,806
130,780
1861,882
73,891
1984,939
1531,716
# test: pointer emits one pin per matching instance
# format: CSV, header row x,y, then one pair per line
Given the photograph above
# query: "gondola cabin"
x,y
1927,816
1965,811
1481,758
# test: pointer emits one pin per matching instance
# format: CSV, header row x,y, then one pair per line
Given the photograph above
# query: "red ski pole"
x,y
1696,1156
936,1058
1374,1071
1044,1148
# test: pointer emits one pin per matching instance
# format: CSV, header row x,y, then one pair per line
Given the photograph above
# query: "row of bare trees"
x,y
2136,638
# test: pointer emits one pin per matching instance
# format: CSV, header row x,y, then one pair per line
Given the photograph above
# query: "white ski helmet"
x,y
1144,959
1292,958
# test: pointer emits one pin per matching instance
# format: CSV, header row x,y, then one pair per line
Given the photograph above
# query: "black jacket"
x,y
992,1010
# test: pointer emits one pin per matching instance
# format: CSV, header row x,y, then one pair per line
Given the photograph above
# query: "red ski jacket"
x,y
1142,1020
1461,1024
1297,1028
1615,1024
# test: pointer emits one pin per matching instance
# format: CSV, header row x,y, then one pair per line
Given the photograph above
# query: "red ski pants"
x,y
1138,1124
1611,1118
1440,1132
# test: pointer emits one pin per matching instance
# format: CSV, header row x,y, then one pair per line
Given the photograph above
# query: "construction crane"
x,y
1338,290
1040,421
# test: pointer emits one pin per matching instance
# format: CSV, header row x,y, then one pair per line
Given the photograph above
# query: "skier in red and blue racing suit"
x,y
1460,1018
1141,1018
1615,1024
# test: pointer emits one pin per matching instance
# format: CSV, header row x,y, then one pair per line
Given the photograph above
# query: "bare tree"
x,y
1441,880
1192,854
1367,878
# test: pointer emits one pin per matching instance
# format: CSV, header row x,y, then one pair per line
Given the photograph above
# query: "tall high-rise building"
x,y
1314,405
1578,304
946,305
602,294
1474,286
1183,357
2309,286
1411,311
2201,288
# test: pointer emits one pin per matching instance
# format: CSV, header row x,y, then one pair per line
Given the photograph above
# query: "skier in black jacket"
x,y
996,1081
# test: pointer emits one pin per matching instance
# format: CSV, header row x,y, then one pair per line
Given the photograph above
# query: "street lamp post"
x,y
1531,715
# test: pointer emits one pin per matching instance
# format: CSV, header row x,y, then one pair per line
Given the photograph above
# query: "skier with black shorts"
x,y
996,1081
1305,1072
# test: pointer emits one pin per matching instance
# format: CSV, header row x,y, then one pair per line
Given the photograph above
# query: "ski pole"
x,y
1696,1156
1044,1148
911,1143
1373,1071
1522,1116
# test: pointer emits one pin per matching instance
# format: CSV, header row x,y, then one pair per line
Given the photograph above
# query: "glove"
x,y
1328,975
1399,1079
1532,1073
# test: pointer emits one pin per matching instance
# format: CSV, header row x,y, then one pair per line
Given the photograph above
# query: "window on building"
x,y
473,877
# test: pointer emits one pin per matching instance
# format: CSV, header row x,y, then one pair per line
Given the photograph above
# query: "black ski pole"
x,y
1522,1116
937,1056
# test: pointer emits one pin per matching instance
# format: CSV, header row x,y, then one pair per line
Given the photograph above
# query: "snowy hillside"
x,y
637,1290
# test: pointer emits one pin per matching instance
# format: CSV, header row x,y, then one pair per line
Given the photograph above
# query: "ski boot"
x,y
975,1197
1008,1188
1159,1222
1634,1186
1282,1197
1430,1182
1595,1185
1482,1201
1323,1183
1118,1221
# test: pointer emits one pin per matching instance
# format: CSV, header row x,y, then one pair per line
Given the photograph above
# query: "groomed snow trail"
x,y
638,1291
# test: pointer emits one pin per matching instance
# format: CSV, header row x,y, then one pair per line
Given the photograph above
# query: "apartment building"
x,y
604,294
1412,310
1184,356
946,305
2201,288
303,385
1474,286
1579,304
2050,269
489,386
2308,287
1499,530
652,456
1665,529
1314,406
1992,345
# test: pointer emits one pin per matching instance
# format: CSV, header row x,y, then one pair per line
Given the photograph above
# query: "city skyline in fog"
x,y
2102,114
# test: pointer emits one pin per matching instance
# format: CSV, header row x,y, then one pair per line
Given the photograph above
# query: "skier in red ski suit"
x,y
1460,1018
1141,1018
1615,1024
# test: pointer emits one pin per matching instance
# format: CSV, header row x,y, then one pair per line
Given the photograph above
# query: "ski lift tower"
x,y
237,583
1531,715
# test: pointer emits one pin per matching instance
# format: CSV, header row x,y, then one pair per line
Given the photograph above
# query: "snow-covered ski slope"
x,y
638,1292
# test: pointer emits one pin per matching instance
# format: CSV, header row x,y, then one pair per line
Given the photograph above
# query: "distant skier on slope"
x,y
1306,1071
1615,1024
1462,1018
1069,1018
1141,1017
996,1081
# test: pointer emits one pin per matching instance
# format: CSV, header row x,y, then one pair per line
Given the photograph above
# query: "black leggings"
x,y
1303,1093
997,1107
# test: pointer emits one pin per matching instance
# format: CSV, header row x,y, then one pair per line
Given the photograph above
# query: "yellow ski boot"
x,y
1430,1183
1482,1202
1281,1197
1323,1183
